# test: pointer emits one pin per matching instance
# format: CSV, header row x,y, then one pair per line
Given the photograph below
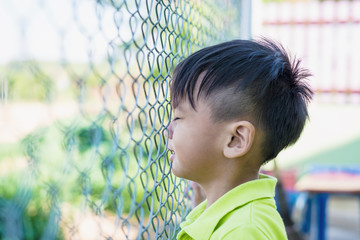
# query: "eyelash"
x,y
175,119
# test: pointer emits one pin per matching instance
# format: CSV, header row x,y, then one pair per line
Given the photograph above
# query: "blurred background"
x,y
324,163
84,91
84,104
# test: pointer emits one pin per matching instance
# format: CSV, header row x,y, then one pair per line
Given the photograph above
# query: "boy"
x,y
236,106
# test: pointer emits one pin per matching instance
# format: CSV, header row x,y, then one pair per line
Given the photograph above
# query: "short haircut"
x,y
249,79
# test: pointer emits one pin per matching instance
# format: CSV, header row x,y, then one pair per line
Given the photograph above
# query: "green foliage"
x,y
104,177
26,80
44,81
90,137
23,214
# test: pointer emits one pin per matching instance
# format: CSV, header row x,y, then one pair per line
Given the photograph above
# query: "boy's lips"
x,y
172,156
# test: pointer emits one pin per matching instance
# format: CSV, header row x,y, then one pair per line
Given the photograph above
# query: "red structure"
x,y
326,35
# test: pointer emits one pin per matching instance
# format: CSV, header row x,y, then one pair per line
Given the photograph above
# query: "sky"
x,y
52,30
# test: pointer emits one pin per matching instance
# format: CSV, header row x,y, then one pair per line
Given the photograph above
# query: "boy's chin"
x,y
174,171
179,174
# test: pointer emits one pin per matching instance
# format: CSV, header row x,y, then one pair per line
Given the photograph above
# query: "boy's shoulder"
x,y
257,219
246,212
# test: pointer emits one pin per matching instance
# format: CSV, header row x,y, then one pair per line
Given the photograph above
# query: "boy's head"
x,y
247,80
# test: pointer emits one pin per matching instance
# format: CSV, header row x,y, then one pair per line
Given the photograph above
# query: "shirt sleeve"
x,y
245,233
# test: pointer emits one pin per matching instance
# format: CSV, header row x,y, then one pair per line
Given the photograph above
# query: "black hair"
x,y
248,78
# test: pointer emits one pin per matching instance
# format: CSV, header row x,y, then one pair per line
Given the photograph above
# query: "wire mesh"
x,y
84,110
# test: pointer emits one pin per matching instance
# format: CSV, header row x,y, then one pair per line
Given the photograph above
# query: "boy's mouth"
x,y
172,156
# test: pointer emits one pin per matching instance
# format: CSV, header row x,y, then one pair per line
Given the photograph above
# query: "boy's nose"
x,y
170,130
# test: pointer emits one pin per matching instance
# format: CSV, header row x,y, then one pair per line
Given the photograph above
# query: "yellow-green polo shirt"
x,y
247,212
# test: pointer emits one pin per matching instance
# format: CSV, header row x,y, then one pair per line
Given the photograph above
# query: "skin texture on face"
x,y
196,142
217,155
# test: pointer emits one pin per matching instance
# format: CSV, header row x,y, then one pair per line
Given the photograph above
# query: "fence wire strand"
x,y
84,110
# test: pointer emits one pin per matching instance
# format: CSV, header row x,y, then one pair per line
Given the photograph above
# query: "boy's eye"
x,y
175,119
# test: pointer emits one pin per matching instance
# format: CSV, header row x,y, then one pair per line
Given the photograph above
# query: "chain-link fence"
x,y
84,111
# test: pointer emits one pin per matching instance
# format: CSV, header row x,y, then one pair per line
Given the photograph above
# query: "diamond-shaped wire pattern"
x,y
84,111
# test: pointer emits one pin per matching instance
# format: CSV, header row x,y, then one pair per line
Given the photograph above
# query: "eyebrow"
x,y
179,108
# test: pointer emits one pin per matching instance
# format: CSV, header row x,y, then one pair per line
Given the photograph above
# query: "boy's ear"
x,y
240,140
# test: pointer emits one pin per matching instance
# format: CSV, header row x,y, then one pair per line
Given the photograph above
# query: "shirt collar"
x,y
200,223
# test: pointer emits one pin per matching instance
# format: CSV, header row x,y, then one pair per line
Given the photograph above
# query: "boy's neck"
x,y
217,188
